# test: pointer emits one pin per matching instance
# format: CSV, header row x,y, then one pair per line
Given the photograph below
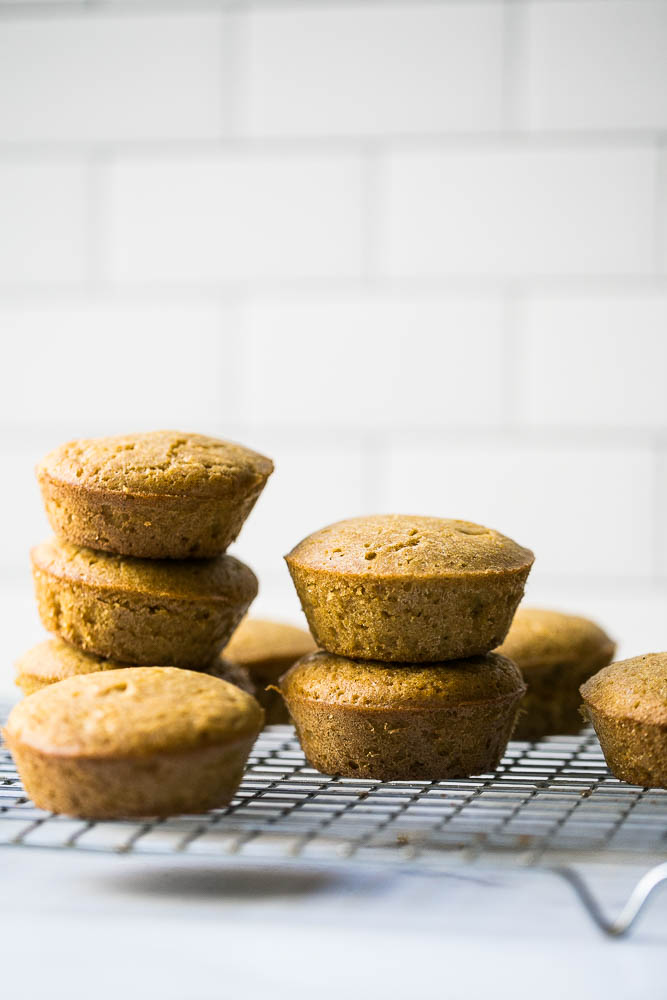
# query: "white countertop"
x,y
88,925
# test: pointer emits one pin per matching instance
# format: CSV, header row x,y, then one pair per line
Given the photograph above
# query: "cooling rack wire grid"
x,y
552,805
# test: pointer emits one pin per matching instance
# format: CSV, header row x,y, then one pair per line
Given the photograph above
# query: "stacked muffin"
x,y
137,577
137,572
263,651
406,610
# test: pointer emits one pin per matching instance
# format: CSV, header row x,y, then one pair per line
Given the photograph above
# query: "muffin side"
x,y
158,495
192,781
147,741
408,722
405,620
403,588
627,705
635,752
137,611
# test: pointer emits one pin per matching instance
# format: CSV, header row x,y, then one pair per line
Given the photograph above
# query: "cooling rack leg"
x,y
630,912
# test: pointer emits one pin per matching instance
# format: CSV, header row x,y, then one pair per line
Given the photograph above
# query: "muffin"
x,y
54,660
627,704
162,495
267,649
408,589
234,674
145,741
555,653
403,722
141,611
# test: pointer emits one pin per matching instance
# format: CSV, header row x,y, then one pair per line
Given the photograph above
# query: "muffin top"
x,y
136,712
221,578
633,689
54,660
388,545
266,646
164,463
540,638
336,680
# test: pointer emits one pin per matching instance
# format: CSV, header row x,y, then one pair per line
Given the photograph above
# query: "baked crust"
x,y
144,741
403,588
158,495
54,660
403,722
140,611
627,704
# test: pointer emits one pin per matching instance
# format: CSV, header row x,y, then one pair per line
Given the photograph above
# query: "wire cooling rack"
x,y
551,804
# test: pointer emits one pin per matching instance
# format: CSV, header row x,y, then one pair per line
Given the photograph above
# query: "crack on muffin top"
x,y
391,544
165,463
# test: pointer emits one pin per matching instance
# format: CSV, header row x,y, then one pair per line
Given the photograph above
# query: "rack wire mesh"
x,y
553,804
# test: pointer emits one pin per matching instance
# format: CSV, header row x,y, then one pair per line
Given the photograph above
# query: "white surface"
x,y
76,925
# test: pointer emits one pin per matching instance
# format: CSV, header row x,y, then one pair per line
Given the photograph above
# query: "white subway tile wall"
x,y
594,65
232,216
109,77
43,221
517,211
415,251
356,69
374,363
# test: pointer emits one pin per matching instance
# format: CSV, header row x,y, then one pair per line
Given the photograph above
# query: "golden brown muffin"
x,y
267,649
141,611
145,741
55,660
627,704
555,653
162,495
394,587
400,722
